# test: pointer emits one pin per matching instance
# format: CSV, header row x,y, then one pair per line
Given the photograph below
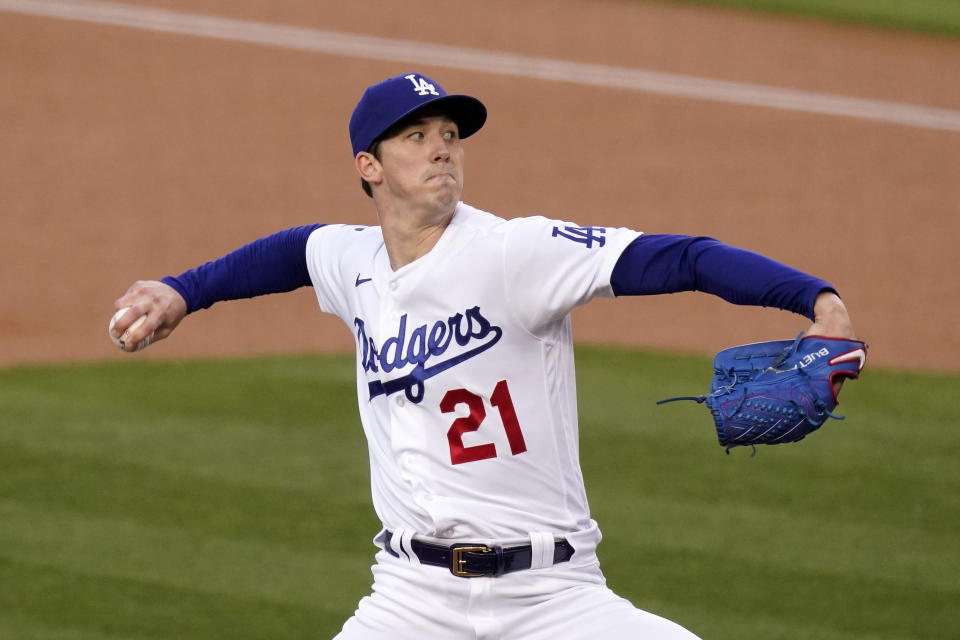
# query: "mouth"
x,y
443,179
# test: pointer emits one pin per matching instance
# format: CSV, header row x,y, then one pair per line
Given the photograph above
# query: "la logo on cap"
x,y
421,86
387,102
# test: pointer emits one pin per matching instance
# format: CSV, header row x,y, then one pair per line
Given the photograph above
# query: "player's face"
x,y
423,164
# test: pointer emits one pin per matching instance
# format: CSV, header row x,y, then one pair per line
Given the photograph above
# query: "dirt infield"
x,y
132,154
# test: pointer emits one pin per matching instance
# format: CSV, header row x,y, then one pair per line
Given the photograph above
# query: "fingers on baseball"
x,y
125,333
134,326
142,334
121,321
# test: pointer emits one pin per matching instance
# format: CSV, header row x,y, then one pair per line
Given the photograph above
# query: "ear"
x,y
369,167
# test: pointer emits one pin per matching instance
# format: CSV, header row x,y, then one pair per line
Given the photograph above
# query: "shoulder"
x,y
541,230
471,219
467,218
340,237
341,248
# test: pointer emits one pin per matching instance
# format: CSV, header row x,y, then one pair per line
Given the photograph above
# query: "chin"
x,y
448,196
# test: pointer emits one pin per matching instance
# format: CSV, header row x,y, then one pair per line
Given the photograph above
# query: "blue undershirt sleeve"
x,y
664,263
274,264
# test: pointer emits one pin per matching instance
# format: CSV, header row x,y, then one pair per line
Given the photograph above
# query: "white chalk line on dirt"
x,y
412,52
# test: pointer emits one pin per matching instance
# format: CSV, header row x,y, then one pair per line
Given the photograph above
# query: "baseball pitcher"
x,y
465,373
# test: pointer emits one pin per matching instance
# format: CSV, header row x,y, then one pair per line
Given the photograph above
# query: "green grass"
x,y
230,499
932,16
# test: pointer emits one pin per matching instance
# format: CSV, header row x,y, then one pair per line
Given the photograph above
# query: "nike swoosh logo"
x,y
857,354
360,280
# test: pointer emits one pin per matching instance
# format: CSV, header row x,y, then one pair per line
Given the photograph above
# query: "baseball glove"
x,y
776,392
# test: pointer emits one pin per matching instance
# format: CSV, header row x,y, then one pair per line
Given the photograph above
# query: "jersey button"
x,y
400,402
393,285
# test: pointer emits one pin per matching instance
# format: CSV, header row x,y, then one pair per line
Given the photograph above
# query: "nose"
x,y
440,151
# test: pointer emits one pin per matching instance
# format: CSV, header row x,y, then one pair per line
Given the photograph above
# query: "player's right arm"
x,y
273,264
160,302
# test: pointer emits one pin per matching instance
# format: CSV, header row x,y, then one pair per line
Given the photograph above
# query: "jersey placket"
x,y
407,424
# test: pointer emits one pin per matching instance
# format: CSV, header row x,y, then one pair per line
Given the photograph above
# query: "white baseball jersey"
x,y
465,372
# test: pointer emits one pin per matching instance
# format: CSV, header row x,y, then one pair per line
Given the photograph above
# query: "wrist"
x,y
831,317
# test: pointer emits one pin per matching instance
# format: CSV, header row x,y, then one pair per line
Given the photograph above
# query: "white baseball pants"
x,y
561,602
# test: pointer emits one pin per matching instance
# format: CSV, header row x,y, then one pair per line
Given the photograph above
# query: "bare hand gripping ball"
x,y
777,392
122,341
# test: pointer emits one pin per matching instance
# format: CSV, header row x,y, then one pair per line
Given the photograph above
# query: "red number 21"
x,y
502,401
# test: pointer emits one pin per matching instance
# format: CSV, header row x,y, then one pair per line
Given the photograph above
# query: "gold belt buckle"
x,y
457,560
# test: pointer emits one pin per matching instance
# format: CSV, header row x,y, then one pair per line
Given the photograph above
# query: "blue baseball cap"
x,y
386,103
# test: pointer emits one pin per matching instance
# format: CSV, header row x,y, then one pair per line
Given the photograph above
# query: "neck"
x,y
408,236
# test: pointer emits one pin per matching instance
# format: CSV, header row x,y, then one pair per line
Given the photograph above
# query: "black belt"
x,y
474,560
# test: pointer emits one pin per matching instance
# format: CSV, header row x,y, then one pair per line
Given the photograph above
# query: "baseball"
x,y
122,340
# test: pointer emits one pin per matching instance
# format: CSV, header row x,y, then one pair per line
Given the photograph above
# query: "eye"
x,y
416,135
449,135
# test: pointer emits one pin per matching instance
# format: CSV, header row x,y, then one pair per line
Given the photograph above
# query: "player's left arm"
x,y
831,318
664,263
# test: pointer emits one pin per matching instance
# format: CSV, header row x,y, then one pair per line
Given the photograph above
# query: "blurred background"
x,y
139,140
216,485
